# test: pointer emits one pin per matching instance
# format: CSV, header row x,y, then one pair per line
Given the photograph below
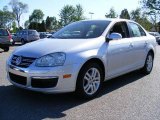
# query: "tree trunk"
x,y
18,23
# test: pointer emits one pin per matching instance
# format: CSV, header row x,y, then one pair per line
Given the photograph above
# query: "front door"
x,y
119,51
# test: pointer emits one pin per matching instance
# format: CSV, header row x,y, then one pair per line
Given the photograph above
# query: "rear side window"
x,y
136,30
3,32
32,32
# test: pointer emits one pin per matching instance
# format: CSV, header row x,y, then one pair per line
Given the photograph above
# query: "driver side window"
x,y
121,28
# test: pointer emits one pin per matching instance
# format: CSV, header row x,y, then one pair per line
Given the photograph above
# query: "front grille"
x,y
24,63
44,83
18,79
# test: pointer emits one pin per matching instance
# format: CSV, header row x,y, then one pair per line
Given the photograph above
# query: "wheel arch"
x,y
152,52
92,60
79,83
151,49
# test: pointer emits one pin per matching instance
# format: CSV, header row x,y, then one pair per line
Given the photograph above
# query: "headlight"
x,y
51,60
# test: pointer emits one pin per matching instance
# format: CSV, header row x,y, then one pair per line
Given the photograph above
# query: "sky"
x,y
53,7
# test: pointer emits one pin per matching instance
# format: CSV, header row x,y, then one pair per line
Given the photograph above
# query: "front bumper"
x,y
23,78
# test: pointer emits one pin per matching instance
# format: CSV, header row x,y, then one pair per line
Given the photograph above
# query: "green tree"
x,y
18,9
59,25
136,14
36,16
141,18
125,14
67,14
34,25
79,12
6,18
51,23
151,4
70,14
152,10
42,27
112,14
14,27
154,17
26,24
48,23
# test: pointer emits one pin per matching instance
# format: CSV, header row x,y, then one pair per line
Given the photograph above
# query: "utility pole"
x,y
91,13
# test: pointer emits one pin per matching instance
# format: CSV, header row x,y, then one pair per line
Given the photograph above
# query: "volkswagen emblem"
x,y
18,60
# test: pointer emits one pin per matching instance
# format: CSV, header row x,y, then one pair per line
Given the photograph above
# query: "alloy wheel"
x,y
149,63
91,81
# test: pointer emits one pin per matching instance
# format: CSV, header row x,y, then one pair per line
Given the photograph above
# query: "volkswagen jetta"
x,y
82,55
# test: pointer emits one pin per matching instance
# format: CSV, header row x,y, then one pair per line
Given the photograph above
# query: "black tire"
x,y
80,90
23,41
6,49
148,69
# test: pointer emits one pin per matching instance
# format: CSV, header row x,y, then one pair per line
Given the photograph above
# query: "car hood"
x,y
46,46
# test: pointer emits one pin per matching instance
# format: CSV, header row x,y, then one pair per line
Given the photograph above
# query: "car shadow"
x,y
121,81
21,104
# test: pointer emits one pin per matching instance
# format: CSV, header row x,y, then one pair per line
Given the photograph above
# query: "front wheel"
x,y
89,81
148,63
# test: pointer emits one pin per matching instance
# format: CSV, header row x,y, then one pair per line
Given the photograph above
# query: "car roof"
x,y
110,19
3,29
27,30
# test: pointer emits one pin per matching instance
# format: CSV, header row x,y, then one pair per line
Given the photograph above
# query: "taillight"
x,y
9,37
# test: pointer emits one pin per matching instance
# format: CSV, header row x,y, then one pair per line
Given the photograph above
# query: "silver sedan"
x,y
81,56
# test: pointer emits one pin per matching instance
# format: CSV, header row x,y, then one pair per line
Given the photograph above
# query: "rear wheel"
x,y
89,81
148,63
23,41
6,49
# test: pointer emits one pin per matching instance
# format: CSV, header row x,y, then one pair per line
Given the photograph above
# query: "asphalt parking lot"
x,y
129,97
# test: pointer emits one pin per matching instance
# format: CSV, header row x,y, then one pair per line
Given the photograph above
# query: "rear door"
x,y
30,35
25,35
18,36
139,43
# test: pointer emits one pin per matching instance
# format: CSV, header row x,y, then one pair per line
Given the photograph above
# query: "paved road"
x,y
129,97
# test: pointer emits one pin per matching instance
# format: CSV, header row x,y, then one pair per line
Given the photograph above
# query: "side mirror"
x,y
114,36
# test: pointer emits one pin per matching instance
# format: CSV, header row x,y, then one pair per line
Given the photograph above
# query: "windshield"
x,y
82,30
